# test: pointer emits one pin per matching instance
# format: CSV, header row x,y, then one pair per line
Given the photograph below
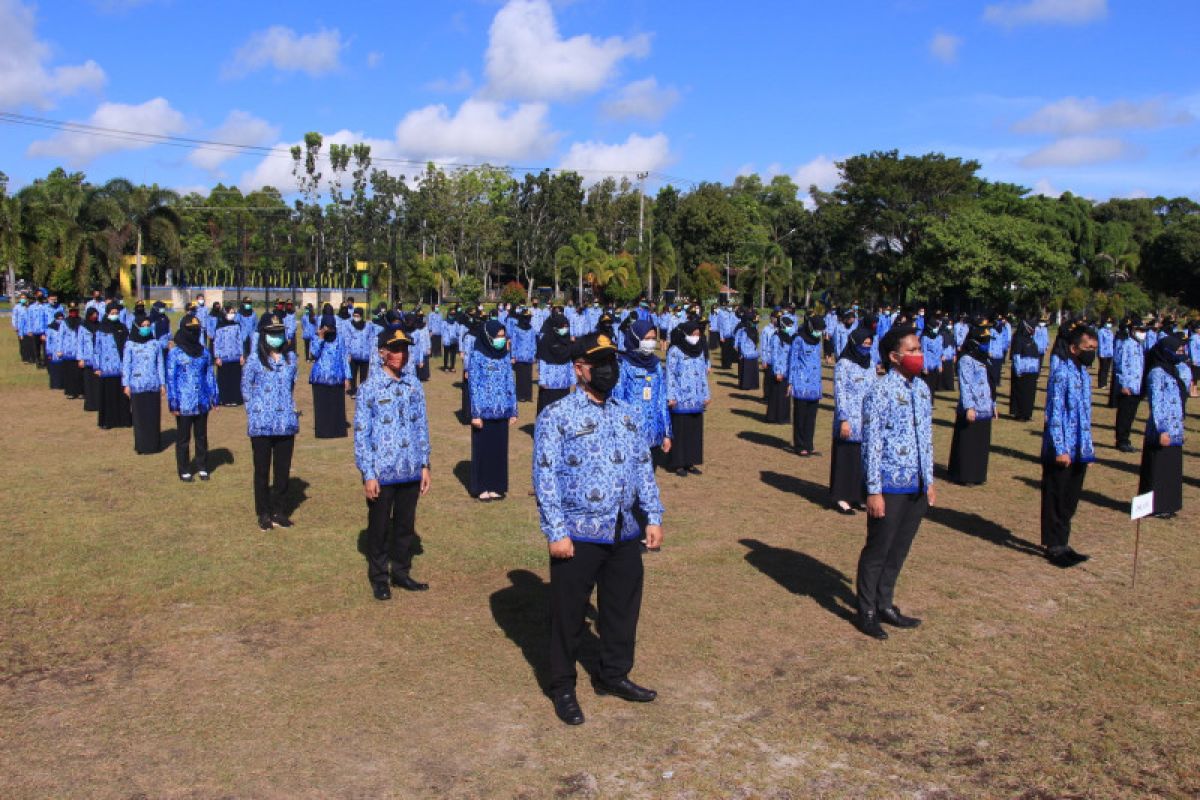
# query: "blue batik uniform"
x,y
1129,360
1068,428
434,322
766,345
850,385
961,329
781,355
931,348
974,392
331,362
289,327
897,436
493,389
391,429
744,345
687,382
106,357
524,345
645,393
68,341
361,343
247,325
1193,349
841,334
33,321
1104,343
1026,365
418,351
54,343
591,467
191,383
142,367
18,318
270,408
308,328
1166,407
1151,339
556,376
86,348
998,344
804,369
227,343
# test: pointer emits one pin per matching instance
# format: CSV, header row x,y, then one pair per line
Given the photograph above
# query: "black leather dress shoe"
x,y
408,584
868,623
264,522
681,472
1078,558
567,708
1060,558
694,471
280,521
626,690
893,617
381,591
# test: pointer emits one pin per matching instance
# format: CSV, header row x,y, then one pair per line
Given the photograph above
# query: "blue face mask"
x,y
144,330
790,330
275,341
863,350
499,343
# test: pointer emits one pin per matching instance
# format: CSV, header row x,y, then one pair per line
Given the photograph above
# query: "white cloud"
x,y
479,130
239,127
459,84
1077,151
528,59
945,46
282,48
1044,188
25,77
374,59
822,172
154,117
636,154
643,99
1046,12
1072,116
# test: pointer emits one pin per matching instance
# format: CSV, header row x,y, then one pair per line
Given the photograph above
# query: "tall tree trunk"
x,y
138,261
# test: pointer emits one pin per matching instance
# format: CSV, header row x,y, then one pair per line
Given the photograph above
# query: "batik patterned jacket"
x,y
524,344
1166,407
105,356
850,385
1068,428
142,367
897,436
974,392
804,369
687,382
492,387
227,343
1129,360
191,383
932,348
270,407
556,376
745,346
1104,343
391,430
591,466
645,393
331,362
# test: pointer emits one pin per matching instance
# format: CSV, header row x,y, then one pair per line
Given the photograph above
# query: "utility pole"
x,y
641,176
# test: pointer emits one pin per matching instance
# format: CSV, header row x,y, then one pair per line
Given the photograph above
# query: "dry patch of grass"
x,y
156,644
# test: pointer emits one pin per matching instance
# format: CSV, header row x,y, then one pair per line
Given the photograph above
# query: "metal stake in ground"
x,y
1142,505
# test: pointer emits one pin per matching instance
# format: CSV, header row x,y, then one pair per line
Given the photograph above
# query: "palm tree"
x,y
10,236
138,214
581,257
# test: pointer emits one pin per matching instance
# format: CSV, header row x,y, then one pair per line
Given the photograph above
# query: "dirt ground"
x,y
154,643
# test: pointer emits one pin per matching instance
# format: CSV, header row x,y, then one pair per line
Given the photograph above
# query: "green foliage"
x,y
706,283
1172,260
469,289
513,292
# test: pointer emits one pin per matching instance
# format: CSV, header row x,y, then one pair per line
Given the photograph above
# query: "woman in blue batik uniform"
x,y
852,377
360,345
1162,454
524,353
643,384
687,397
73,331
779,407
308,329
191,394
556,373
268,382
745,341
493,410
972,441
227,352
330,380
1026,364
111,336
804,383
87,359
54,354
931,346
144,381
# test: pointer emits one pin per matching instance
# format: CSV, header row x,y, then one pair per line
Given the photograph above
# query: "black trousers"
x,y
1022,395
72,378
391,529
1105,368
271,451
616,572
727,353
888,541
1061,487
24,350
1127,408
995,371
188,428
523,373
804,424
449,355
435,345
308,350
34,349
358,373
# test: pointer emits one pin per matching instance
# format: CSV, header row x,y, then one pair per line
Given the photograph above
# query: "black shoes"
x,y
264,522
868,623
567,708
845,510
381,591
202,475
280,521
625,689
408,584
1126,447
893,617
186,477
681,472
694,471
1065,557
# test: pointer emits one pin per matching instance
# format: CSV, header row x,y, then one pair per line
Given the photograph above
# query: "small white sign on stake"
x,y
1142,506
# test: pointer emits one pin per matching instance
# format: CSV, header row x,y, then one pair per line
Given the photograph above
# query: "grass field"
x,y
156,644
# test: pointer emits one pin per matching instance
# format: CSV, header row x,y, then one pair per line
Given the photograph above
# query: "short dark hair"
x,y
1078,332
890,342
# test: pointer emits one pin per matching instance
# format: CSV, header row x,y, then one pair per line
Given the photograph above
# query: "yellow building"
x,y
128,270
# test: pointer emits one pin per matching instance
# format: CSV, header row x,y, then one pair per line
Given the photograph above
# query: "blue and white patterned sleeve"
x,y
547,445
872,441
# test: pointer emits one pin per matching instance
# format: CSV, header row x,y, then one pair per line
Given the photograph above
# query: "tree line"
x,y
896,228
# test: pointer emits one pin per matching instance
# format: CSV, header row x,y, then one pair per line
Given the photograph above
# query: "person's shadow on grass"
x,y
804,575
522,610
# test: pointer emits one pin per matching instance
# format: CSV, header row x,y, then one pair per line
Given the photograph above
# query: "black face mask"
x,y
330,336
604,377
1087,357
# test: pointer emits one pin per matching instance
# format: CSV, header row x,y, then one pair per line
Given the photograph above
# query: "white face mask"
x,y
694,339
647,345
1139,335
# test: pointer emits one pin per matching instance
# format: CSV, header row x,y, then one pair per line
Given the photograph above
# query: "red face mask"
x,y
912,364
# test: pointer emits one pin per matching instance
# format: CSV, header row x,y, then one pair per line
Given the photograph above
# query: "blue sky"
x,y
1099,97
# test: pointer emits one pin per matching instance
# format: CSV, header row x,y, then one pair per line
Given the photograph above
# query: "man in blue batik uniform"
x,y
594,481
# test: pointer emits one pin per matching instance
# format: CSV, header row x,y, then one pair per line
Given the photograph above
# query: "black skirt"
x,y
329,411
91,390
1162,473
969,450
714,339
846,472
933,380
423,372
1022,396
489,457
523,373
72,378
229,383
435,345
146,408
466,400
114,405
946,384
687,440
779,405
727,353
54,369
547,396
748,374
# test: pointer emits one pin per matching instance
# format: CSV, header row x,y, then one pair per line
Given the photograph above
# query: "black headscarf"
x,y
552,347
329,323
115,329
483,344
138,336
360,323
73,322
1023,343
749,324
810,331
976,344
223,320
679,339
783,335
850,349
58,320
187,338
343,312
524,320
91,320
633,334
1163,354
246,312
